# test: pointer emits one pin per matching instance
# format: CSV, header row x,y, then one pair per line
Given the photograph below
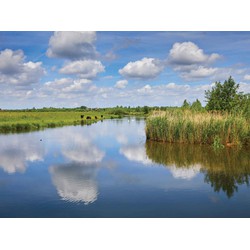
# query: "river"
x,y
107,169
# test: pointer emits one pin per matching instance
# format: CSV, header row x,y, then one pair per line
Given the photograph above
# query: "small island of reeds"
x,y
225,121
187,126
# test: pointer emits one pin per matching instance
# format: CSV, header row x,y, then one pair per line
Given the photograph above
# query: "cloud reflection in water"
x,y
75,182
135,153
19,149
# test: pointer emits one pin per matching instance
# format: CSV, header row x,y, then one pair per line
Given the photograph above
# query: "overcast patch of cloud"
x,y
72,45
146,68
15,71
83,68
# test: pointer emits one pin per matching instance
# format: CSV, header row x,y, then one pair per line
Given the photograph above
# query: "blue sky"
x,y
100,69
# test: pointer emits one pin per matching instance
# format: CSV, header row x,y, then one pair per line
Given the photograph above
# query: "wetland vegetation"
x,y
225,121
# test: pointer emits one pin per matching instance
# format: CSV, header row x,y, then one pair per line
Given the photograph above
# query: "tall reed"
x,y
185,126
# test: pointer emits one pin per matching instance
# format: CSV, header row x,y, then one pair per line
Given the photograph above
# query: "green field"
x,y
19,121
186,126
35,119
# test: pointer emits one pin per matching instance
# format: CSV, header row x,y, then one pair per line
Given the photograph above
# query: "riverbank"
x,y
186,126
21,121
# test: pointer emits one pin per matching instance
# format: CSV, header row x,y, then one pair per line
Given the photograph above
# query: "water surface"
x,y
108,169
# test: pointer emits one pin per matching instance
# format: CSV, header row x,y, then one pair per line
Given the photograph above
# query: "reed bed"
x,y
186,126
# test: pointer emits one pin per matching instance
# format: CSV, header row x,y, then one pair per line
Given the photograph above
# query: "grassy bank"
x,y
186,126
19,121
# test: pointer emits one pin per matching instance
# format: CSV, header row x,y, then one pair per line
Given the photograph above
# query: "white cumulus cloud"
x,y
189,53
146,68
14,69
83,68
121,84
72,45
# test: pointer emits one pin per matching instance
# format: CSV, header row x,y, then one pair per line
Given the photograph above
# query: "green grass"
x,y
185,126
19,121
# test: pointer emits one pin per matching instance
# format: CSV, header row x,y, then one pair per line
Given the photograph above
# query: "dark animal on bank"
x,y
82,116
96,117
101,116
88,117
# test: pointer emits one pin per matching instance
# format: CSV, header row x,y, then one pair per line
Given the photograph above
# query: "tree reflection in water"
x,y
224,170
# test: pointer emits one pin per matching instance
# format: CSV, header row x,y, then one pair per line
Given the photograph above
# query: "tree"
x,y
185,104
146,109
83,107
223,97
196,105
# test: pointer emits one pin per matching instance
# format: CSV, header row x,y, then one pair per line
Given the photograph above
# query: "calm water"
x,y
107,170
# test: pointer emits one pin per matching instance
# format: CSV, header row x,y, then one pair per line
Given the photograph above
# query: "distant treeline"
x,y
125,109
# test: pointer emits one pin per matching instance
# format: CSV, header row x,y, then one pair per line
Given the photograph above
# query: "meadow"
x,y
36,119
187,126
27,120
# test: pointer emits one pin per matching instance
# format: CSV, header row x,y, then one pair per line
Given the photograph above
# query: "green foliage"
x,y
224,97
186,104
217,143
118,111
83,108
245,106
196,106
146,109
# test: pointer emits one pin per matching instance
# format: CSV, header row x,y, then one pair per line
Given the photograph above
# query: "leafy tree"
x,y
185,104
146,109
83,107
224,97
196,105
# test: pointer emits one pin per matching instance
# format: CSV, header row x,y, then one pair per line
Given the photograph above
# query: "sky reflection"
x,y
18,150
75,182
